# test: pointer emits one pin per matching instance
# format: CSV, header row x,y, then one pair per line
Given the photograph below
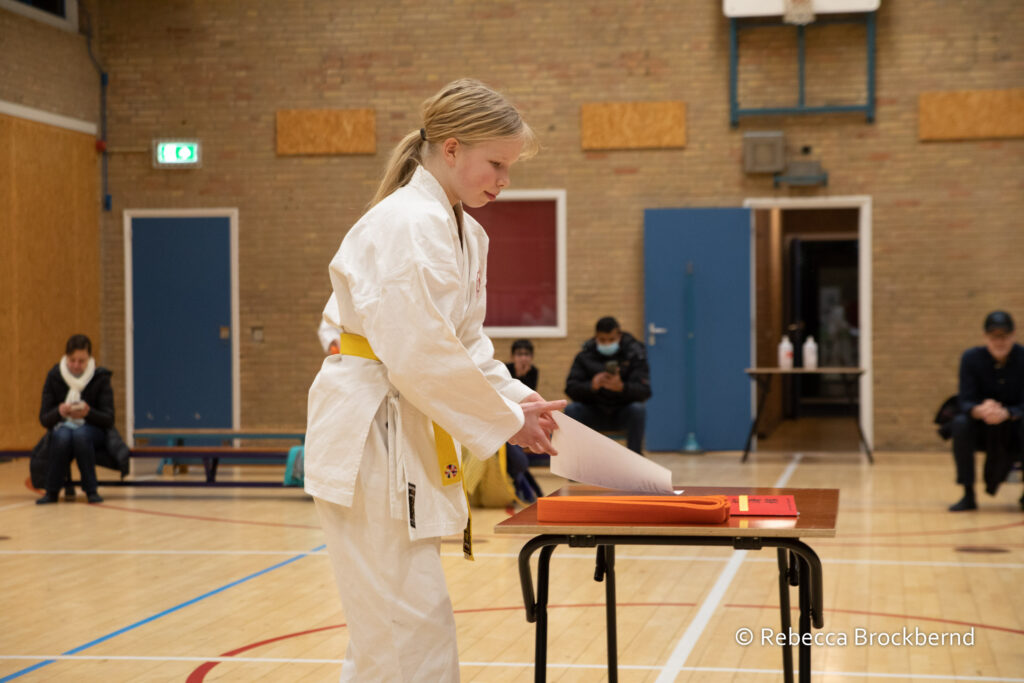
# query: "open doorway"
x,y
811,261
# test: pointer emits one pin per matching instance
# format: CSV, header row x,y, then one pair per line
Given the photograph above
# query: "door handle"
x,y
225,332
652,330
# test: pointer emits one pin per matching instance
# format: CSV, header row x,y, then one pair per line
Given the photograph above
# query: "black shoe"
x,y
1022,502
965,503
69,494
46,499
94,497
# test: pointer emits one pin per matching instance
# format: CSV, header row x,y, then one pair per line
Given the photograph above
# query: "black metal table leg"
x,y
764,383
805,620
803,569
606,571
540,671
787,651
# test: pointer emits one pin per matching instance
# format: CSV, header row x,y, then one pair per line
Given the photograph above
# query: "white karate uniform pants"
x,y
393,591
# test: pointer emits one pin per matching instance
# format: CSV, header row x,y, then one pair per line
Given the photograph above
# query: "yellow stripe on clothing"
x,y
447,459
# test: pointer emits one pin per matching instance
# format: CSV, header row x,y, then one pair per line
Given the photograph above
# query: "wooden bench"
x,y
173,446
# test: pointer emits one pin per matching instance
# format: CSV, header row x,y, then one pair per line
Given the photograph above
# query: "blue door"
x,y
697,317
181,309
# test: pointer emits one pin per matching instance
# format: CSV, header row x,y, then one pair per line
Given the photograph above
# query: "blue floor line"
x,y
147,620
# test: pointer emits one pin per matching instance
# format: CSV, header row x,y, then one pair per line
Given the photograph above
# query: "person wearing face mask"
x,y
609,382
991,403
78,408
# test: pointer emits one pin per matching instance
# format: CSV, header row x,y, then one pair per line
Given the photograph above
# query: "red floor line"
x,y
198,675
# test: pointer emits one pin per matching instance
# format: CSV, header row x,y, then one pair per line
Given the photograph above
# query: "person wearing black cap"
x,y
991,402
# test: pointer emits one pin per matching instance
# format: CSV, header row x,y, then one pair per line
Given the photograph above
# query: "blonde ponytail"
x,y
466,110
406,156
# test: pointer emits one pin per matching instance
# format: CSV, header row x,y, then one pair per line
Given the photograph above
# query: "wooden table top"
x,y
818,509
805,371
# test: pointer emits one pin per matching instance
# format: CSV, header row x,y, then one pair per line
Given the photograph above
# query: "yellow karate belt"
x,y
444,444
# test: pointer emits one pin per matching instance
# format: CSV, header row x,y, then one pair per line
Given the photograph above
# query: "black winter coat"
x,y
97,393
633,369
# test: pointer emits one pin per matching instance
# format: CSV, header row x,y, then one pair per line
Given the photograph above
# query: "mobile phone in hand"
x,y
611,367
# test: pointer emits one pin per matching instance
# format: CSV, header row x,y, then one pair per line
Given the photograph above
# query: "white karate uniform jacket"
x,y
328,331
403,280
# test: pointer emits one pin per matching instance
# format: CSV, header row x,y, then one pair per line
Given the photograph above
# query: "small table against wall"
x,y
763,377
798,564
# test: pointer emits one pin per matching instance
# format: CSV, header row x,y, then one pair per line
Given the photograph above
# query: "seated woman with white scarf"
x,y
78,406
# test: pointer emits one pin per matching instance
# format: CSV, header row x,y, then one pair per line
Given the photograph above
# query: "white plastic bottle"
x,y
810,354
785,354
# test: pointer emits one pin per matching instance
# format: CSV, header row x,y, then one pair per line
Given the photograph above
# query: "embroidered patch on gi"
x,y
479,281
451,471
412,505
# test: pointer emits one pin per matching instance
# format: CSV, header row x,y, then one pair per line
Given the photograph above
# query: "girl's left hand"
x,y
538,424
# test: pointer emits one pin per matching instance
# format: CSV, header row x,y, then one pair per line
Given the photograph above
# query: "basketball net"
x,y
799,12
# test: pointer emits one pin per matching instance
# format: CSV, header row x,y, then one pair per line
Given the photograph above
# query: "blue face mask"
x,y
608,349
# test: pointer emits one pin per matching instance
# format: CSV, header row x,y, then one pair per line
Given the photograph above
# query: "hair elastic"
x,y
423,134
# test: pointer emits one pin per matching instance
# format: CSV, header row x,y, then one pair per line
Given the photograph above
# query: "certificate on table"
x,y
590,457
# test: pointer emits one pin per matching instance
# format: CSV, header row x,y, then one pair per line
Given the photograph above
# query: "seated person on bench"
x,y
609,382
78,408
991,409
517,462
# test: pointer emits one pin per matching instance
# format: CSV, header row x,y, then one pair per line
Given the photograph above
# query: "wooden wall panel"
x,y
326,131
8,331
633,125
52,281
971,114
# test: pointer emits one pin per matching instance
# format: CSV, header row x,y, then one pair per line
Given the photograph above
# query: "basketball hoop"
x,y
799,12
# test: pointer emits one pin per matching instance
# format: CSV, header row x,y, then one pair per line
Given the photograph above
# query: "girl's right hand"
x,y
64,409
533,435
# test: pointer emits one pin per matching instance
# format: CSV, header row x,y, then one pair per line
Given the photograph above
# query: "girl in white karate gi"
x,y
414,371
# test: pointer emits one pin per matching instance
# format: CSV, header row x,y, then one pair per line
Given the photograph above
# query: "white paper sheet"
x,y
590,457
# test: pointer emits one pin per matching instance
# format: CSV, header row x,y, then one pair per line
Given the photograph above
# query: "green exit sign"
x,y
177,153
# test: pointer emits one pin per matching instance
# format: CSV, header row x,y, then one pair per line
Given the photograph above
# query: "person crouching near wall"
x,y
78,408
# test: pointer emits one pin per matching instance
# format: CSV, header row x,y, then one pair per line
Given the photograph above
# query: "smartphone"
x,y
611,367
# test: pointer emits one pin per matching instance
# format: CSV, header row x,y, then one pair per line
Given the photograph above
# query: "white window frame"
x,y
69,22
559,329
863,205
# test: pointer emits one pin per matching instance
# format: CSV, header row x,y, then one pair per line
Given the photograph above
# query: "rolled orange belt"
x,y
634,509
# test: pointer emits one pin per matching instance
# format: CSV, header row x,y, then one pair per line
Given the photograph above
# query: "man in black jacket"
x,y
991,402
609,382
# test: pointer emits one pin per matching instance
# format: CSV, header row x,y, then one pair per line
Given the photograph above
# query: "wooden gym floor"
x,y
205,585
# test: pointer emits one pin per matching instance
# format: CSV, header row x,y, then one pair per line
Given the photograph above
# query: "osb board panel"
x,y
633,125
326,131
53,282
971,114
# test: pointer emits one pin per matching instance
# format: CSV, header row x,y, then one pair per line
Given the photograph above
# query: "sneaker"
x,y
46,499
965,503
94,498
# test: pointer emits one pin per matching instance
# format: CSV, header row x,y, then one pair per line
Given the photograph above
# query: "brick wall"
x,y
945,215
47,68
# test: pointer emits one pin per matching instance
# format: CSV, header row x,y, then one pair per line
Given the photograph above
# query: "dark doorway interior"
x,y
823,299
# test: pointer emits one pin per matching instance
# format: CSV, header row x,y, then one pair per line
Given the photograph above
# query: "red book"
x,y
762,506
